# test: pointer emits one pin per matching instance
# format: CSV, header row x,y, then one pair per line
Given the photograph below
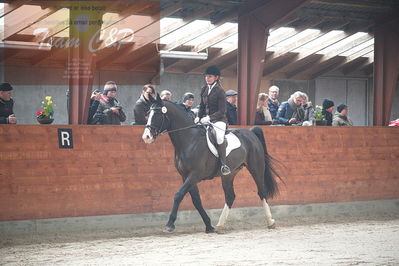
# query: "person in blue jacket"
x,y
291,112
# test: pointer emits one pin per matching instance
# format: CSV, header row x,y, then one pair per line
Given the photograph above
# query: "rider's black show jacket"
x,y
213,104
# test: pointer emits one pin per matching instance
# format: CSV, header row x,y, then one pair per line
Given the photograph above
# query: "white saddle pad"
x,y
232,143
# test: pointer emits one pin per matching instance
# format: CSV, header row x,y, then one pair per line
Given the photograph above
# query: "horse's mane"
x,y
179,110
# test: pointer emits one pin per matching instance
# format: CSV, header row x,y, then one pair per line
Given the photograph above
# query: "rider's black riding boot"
x,y
222,156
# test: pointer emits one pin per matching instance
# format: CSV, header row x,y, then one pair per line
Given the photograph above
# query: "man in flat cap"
x,y
231,107
6,104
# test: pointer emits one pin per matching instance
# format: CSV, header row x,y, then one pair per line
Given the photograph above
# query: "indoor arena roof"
x,y
321,37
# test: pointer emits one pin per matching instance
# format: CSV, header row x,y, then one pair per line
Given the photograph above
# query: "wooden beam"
x,y
189,36
230,31
305,53
304,40
10,7
151,34
352,4
275,39
183,22
357,64
331,56
219,57
318,70
11,30
43,56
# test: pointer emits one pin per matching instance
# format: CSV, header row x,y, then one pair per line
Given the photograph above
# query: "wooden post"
x,y
386,70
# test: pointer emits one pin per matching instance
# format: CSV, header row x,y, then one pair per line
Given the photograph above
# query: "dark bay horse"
x,y
195,162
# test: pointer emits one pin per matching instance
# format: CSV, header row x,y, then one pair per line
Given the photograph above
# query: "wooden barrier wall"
x,y
111,171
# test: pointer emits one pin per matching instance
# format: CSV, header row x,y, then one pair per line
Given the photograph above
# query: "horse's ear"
x,y
159,100
151,99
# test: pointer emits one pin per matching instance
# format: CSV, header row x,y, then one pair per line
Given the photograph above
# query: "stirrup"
x,y
225,170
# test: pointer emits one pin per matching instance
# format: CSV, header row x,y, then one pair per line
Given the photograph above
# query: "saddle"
x,y
233,142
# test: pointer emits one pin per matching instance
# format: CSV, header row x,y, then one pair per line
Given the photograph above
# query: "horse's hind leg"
x,y
228,188
257,168
196,199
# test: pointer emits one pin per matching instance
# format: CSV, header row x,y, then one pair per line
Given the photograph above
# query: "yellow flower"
x,y
48,98
42,102
49,102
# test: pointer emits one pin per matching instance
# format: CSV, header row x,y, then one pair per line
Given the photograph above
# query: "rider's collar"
x,y
210,86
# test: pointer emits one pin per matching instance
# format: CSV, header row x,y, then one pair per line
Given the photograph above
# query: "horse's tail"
x,y
270,172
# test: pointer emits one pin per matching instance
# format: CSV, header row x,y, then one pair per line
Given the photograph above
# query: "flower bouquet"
x,y
45,116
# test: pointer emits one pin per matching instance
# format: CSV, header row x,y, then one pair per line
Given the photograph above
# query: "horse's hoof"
x,y
210,230
273,226
220,228
169,229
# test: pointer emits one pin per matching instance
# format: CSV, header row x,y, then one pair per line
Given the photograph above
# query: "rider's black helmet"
x,y
212,70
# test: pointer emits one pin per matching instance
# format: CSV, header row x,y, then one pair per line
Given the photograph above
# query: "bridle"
x,y
165,117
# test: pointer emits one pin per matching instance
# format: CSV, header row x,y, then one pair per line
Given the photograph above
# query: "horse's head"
x,y
157,120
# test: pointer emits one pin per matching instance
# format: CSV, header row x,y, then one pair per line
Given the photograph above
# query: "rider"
x,y
213,109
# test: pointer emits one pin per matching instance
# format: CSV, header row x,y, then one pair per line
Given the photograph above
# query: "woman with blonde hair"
x,y
263,115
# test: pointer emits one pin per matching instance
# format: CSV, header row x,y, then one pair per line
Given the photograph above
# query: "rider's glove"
x,y
196,120
205,119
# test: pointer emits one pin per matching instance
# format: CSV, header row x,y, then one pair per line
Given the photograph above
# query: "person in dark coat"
x,y
327,111
143,105
213,110
7,115
94,102
273,102
109,111
187,103
231,107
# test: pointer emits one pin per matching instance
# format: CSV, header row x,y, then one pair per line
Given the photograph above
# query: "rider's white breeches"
x,y
220,129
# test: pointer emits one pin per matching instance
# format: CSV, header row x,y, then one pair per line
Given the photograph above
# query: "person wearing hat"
x,y
213,110
6,105
231,107
328,108
109,111
187,103
341,117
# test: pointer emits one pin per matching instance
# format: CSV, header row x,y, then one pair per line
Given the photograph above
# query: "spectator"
x,y
231,107
166,95
143,105
328,108
187,103
263,116
273,102
94,102
7,115
341,117
308,110
291,112
109,111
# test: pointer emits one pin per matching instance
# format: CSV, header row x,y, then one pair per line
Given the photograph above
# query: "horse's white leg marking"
x,y
147,136
268,214
223,216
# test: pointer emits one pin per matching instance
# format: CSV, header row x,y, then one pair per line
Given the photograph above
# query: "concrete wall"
x,y
111,171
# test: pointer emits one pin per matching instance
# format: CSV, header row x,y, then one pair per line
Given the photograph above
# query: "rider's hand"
x,y
205,119
196,120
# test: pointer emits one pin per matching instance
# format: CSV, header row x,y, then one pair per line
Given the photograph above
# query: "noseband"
x,y
164,118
